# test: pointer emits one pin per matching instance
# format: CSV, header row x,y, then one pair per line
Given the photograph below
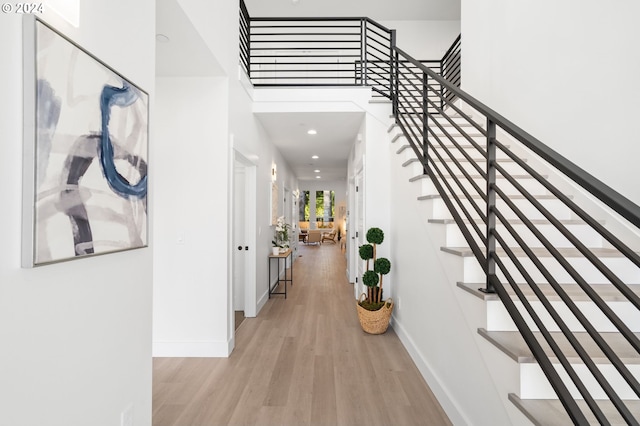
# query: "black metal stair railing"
x,y
245,38
488,201
451,63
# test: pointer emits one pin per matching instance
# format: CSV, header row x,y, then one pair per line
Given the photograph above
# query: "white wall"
x,y
424,39
217,24
563,71
430,319
190,260
75,336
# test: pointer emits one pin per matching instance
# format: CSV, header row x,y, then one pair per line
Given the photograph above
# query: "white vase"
x,y
275,250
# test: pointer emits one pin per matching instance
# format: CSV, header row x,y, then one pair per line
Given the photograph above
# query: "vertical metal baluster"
x,y
249,47
491,205
396,84
392,48
425,125
363,51
442,90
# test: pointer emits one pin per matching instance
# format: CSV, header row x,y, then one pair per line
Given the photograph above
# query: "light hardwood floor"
x,y
302,361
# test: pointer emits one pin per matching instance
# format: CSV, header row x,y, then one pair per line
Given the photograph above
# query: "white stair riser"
x,y
530,185
415,168
534,384
471,150
584,233
554,206
623,268
440,137
499,320
464,164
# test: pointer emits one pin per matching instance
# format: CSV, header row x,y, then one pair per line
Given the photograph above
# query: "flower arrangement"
x,y
281,237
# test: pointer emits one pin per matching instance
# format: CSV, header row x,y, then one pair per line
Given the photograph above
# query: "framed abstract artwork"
x,y
86,143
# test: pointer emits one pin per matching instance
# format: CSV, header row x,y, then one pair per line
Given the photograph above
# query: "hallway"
x,y
302,361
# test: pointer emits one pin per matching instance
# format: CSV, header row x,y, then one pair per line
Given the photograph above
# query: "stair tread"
x,y
514,221
479,197
607,292
513,345
474,176
550,412
451,145
539,252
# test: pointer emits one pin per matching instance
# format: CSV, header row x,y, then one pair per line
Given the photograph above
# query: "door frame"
x,y
357,221
249,216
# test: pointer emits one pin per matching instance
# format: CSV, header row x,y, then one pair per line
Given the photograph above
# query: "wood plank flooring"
x,y
302,361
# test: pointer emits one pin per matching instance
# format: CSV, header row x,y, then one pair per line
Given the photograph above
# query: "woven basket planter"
x,y
375,322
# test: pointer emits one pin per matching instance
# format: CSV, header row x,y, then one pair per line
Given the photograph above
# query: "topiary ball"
x,y
382,266
375,236
366,251
370,279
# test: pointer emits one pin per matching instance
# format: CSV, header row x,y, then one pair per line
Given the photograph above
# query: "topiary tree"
x,y
381,266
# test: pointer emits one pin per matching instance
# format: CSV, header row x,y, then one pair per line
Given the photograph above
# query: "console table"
x,y
288,278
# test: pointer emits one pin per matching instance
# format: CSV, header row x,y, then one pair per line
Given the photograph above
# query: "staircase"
x,y
527,387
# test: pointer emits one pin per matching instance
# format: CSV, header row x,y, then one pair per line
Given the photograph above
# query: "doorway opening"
x,y
243,259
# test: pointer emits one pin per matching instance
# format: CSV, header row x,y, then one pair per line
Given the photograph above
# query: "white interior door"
x,y
239,242
244,236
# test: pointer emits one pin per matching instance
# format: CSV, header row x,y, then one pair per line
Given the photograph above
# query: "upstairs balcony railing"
x,y
507,224
327,52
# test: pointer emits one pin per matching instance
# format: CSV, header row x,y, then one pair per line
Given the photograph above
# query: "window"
x,y
325,206
303,206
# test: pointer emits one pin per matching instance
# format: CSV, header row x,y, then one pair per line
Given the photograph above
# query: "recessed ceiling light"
x,y
161,38
312,132
315,157
318,177
316,171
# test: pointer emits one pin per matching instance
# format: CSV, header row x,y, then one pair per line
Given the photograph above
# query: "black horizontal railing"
x,y
516,223
451,67
342,51
245,38
513,219
317,52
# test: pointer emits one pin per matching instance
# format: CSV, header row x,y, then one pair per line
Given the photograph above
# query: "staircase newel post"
x,y
491,205
425,125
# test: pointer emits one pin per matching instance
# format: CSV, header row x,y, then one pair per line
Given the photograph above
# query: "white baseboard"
x,y
187,349
262,301
435,384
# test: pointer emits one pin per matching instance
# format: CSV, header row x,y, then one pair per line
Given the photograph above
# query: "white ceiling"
x,y
380,10
186,54
336,133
